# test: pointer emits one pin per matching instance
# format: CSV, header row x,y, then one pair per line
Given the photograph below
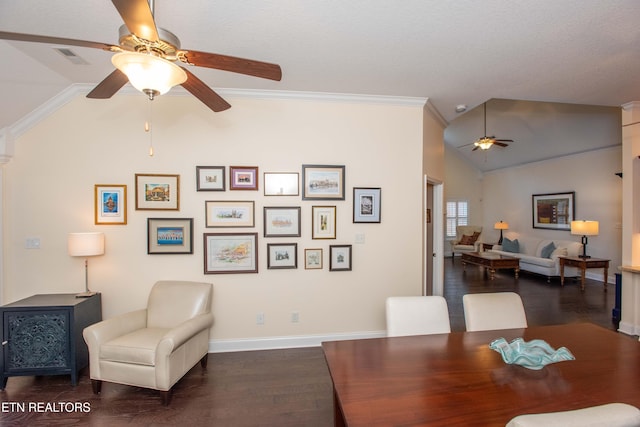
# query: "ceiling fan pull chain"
x,y
148,129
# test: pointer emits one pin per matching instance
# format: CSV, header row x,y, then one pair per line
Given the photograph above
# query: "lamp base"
x,y
86,294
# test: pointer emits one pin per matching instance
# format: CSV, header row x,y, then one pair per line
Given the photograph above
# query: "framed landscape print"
x,y
230,253
313,259
340,258
210,178
243,178
169,236
323,222
281,184
157,192
110,204
553,210
223,213
366,204
282,221
322,182
282,255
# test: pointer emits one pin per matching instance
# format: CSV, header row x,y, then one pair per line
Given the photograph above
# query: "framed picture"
x,y
281,184
230,253
281,221
313,259
322,182
340,258
554,210
169,236
243,178
220,213
366,204
210,178
157,192
110,204
282,255
323,222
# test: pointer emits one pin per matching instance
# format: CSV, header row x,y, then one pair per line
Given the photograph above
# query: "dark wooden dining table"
x,y
456,379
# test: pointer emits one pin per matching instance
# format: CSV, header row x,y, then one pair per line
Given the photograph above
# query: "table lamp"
x,y
501,226
584,228
86,245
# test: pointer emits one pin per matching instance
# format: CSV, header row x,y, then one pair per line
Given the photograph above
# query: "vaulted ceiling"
x,y
463,52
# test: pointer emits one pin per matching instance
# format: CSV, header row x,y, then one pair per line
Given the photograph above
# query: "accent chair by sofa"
x,y
467,239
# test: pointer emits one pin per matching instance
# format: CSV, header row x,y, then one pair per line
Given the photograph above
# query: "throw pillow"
x,y
548,250
510,245
559,252
466,240
475,236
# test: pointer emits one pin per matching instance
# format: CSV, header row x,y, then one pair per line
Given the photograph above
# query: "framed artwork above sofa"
x,y
553,211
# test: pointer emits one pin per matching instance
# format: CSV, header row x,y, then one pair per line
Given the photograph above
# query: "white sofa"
x,y
530,249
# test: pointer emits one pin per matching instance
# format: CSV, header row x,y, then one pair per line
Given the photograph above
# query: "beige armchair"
x,y
156,346
459,244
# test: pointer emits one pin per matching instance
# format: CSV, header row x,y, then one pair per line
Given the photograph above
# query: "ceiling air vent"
x,y
71,56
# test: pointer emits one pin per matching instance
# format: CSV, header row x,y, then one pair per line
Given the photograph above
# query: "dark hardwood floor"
x,y
276,387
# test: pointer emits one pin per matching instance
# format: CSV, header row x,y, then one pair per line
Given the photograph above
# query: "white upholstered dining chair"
x,y
153,347
417,315
496,310
609,415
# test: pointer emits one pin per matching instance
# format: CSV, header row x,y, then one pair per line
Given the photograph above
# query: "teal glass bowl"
x,y
534,354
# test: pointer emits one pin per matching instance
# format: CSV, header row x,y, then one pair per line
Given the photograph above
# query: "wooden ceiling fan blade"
x,y
138,18
500,144
4,35
504,140
204,93
109,86
475,148
234,64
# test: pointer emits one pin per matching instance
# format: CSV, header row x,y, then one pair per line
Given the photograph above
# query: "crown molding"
x,y
9,134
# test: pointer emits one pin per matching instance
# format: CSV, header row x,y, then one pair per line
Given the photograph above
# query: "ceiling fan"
x,y
487,142
146,56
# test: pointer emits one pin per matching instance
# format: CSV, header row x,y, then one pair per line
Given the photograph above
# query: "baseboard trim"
x,y
273,343
628,328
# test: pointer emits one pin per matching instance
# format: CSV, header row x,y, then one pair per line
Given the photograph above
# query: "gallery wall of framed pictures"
x,y
318,191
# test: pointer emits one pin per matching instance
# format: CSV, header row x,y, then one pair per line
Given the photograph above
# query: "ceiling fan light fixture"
x,y
148,73
484,143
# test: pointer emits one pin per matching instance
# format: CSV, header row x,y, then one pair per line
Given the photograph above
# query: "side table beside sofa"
x,y
583,264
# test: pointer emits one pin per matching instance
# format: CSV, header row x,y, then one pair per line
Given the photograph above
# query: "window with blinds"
x,y
457,214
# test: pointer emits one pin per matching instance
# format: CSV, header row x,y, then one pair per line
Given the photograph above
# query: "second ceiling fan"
x,y
486,142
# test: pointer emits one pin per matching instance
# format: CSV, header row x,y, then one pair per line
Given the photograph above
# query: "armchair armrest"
x,y
109,329
177,336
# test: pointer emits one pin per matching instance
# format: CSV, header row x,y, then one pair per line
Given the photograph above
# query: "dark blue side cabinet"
x,y
616,313
42,335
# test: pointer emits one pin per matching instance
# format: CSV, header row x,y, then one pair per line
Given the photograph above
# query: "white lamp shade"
x,y
585,228
85,244
501,225
149,73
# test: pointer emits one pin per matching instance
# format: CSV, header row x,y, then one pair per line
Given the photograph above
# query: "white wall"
x,y
464,182
506,194
49,185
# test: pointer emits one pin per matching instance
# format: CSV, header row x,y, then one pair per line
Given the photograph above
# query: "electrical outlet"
x,y
295,317
260,319
32,243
